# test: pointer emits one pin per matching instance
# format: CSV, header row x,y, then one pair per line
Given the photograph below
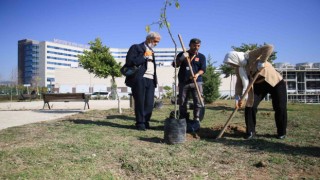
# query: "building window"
x,y
313,85
313,75
291,85
289,75
50,79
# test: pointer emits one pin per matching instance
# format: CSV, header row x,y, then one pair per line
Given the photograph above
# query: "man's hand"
x,y
196,76
184,56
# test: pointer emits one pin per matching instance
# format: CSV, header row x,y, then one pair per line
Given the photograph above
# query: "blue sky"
x,y
293,27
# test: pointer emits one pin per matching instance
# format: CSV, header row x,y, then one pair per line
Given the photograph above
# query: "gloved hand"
x,y
184,56
148,55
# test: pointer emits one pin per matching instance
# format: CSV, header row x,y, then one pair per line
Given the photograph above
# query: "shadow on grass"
x,y
112,124
101,123
59,111
152,139
121,117
228,108
124,117
275,147
260,143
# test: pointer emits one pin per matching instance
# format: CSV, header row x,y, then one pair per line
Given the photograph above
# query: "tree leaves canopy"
x,y
211,82
99,60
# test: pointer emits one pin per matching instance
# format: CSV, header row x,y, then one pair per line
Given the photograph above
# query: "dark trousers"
x,y
184,91
279,104
143,94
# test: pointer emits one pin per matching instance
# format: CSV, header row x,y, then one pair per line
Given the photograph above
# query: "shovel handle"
x,y
236,109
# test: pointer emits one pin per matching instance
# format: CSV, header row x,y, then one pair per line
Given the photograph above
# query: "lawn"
x,y
105,145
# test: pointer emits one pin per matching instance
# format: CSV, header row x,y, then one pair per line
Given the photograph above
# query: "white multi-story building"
x,y
38,61
303,81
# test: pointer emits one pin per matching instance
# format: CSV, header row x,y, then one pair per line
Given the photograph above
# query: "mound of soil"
x,y
212,133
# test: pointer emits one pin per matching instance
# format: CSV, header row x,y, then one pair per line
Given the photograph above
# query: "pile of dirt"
x,y
212,133
231,129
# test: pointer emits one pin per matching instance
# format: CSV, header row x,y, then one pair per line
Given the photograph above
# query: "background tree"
x,y
211,82
35,81
229,71
101,63
14,82
168,92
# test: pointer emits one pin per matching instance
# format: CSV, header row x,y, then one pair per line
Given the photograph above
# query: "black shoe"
x,y
147,125
193,126
281,136
250,135
141,127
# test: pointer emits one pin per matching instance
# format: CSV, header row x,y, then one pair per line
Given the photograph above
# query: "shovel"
x,y
236,109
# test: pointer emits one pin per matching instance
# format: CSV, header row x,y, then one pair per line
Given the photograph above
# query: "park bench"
x,y
65,97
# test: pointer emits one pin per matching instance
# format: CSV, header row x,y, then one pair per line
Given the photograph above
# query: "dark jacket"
x,y
135,57
198,63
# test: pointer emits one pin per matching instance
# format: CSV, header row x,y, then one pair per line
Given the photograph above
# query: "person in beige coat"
x,y
269,82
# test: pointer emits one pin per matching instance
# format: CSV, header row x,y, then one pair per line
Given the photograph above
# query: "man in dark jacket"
x,y
144,82
186,83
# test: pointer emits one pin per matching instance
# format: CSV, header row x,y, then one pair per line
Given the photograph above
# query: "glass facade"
x,y
28,61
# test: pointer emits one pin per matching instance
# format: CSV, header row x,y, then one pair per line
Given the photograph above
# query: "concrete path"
x,y
20,113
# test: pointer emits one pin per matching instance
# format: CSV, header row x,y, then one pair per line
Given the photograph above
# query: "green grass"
x,y
105,145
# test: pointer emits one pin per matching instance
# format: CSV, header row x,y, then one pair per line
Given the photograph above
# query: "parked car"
x,y
100,95
2,93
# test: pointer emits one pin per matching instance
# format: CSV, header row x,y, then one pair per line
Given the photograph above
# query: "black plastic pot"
x,y
175,131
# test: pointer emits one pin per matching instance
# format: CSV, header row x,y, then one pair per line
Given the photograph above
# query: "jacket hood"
x,y
236,58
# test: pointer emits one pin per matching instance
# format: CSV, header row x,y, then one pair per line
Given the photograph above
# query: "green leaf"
x,y
177,5
167,24
147,28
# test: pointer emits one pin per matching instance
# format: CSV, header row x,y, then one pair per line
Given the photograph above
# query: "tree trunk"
x,y
10,93
118,98
175,55
230,85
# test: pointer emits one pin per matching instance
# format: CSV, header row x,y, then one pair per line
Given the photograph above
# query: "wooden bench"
x,y
65,97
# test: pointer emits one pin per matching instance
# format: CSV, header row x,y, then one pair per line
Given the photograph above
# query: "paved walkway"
x,y
20,113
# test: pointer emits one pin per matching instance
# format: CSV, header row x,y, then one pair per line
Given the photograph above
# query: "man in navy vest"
x,y
144,82
186,83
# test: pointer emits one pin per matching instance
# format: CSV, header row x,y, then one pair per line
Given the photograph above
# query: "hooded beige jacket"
x,y
255,58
